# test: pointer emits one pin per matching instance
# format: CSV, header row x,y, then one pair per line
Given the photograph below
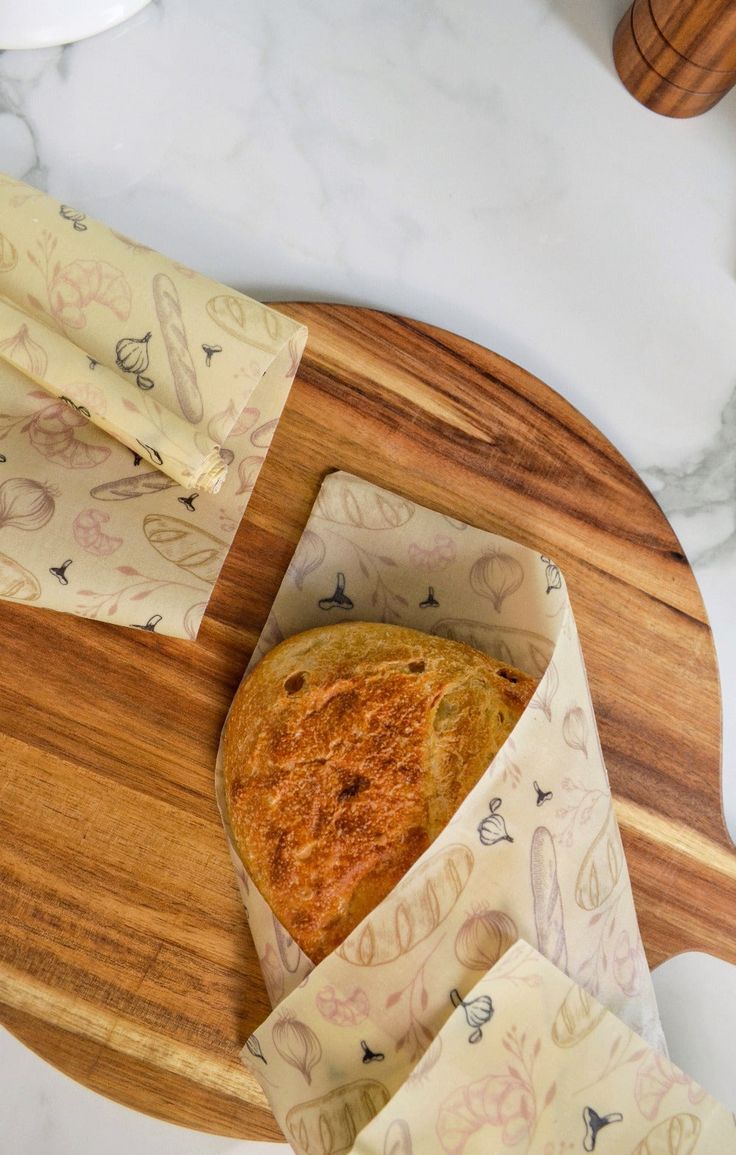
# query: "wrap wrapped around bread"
x,y
347,750
498,997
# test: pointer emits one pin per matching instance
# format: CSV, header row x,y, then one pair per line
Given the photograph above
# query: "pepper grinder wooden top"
x,y
677,57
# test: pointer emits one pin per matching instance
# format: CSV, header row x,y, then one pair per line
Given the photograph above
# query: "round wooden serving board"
x,y
125,958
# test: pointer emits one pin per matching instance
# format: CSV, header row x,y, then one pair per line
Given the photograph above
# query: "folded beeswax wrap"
x,y
137,402
413,1022
553,1072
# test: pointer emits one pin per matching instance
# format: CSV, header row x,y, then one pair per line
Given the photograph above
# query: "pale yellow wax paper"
x,y
533,854
137,402
557,1074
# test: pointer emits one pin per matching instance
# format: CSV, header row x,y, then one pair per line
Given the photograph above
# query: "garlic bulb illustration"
x,y
496,575
545,692
261,437
25,353
483,938
248,471
552,575
255,1048
308,556
575,730
25,504
131,355
493,828
297,1044
478,1012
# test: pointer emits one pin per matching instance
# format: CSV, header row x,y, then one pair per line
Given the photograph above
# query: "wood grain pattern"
x,y
678,57
124,953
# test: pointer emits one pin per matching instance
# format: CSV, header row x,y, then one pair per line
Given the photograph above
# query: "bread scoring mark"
x,y
294,682
353,786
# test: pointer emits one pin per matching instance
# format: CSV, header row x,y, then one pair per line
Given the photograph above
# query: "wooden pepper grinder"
x,y
677,57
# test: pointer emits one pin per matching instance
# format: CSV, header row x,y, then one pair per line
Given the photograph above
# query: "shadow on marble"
x,y
696,994
593,23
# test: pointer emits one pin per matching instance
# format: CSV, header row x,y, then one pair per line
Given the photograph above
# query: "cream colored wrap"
x,y
137,402
413,1037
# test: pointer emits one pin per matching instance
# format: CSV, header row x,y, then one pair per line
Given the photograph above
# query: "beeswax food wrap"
x,y
499,998
137,403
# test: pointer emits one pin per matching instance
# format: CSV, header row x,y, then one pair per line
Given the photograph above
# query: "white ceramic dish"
x,y
45,23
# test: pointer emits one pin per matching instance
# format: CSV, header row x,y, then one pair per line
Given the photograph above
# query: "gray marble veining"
x,y
705,484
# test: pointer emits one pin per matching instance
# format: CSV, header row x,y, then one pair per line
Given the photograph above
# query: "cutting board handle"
x,y
677,57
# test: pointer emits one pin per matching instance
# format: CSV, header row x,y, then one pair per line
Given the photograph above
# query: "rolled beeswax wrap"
x,y
137,401
533,853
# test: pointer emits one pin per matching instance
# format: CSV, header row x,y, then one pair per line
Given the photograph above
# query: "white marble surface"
x,y
475,165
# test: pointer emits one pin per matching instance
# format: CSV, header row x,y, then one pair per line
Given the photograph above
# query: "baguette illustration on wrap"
x,y
139,485
548,913
183,373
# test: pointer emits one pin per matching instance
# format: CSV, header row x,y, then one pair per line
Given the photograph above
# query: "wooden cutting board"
x,y
125,958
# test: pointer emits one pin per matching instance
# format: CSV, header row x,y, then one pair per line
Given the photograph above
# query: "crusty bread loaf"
x,y
347,750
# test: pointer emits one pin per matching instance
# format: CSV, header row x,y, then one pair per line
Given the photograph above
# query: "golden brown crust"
x,y
347,750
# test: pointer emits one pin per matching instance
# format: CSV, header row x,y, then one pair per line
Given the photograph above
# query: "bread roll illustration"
x,y
183,373
329,1125
17,582
398,925
577,1016
187,546
601,868
363,506
677,1135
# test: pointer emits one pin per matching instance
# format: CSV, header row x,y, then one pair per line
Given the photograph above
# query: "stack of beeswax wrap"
x,y
137,403
499,998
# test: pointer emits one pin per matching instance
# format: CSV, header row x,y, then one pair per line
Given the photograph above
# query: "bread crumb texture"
x,y
347,750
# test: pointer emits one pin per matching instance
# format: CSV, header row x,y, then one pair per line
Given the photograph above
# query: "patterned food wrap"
x,y
137,403
499,997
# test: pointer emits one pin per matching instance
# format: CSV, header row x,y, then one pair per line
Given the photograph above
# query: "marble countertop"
x,y
478,166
